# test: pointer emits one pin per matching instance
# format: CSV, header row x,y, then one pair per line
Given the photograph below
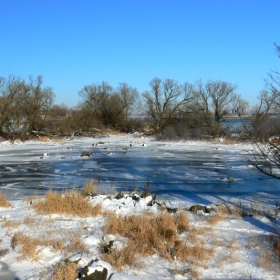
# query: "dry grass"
x,y
89,189
30,198
224,212
3,201
65,271
70,203
154,235
48,139
3,252
150,234
127,256
171,237
48,232
31,221
10,224
227,141
27,246
178,271
182,222
65,242
270,253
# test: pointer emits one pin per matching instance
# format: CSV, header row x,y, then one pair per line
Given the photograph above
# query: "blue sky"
x,y
74,43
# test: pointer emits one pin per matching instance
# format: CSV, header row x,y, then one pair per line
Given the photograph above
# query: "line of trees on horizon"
x,y
171,109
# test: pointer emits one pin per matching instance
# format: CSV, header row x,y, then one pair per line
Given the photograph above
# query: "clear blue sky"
x,y
73,43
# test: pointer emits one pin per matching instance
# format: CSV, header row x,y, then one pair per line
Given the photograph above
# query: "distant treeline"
x,y
190,110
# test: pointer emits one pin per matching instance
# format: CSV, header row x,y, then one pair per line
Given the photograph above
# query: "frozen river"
x,y
195,170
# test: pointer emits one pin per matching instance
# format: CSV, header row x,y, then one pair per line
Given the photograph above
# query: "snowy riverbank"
x,y
237,241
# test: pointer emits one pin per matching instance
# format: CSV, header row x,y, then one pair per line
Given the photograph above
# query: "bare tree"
x,y
213,101
128,98
10,90
262,114
96,98
34,103
266,125
165,100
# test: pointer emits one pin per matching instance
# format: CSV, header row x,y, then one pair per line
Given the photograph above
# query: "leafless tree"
x,y
165,100
96,99
129,97
10,90
266,125
213,101
34,103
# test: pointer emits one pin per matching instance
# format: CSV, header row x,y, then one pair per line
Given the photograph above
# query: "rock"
x,y
199,207
161,207
93,273
107,247
85,154
171,210
135,197
230,179
119,195
45,155
152,201
93,194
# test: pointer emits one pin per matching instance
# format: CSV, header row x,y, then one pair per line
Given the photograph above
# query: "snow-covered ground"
x,y
241,261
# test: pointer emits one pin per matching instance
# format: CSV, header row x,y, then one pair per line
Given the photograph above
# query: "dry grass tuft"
x,y
89,189
178,271
127,256
31,221
71,203
182,222
3,252
65,271
27,246
43,139
31,198
3,201
11,224
224,212
194,253
151,234
48,139
270,255
67,244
